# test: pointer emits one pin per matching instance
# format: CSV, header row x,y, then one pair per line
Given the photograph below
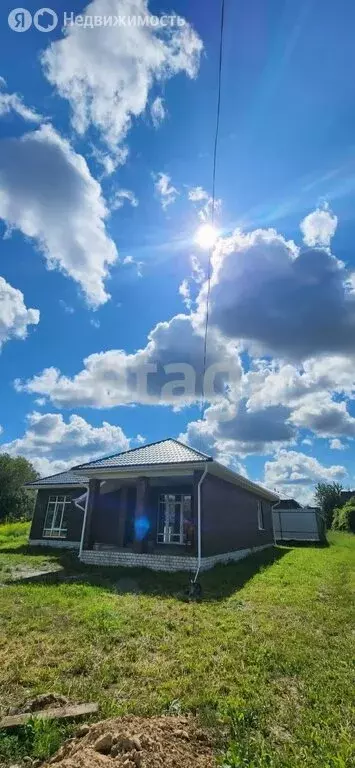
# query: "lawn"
x,y
268,651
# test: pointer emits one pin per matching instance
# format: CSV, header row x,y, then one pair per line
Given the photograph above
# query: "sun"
x,y
206,236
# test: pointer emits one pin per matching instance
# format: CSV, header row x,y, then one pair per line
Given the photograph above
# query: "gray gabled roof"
x,y
168,451
61,478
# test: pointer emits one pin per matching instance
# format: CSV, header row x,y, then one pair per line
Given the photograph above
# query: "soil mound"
x,y
137,742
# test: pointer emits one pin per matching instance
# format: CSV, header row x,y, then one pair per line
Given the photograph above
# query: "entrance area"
x,y
174,516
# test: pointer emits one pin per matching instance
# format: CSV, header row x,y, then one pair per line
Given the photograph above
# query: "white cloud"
x,y
120,196
14,315
166,192
336,445
273,298
311,392
106,73
131,262
229,429
53,444
295,474
209,209
324,416
197,194
157,111
319,227
66,218
12,102
114,377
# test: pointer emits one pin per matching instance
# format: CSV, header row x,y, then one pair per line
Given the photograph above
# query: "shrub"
x,y
344,517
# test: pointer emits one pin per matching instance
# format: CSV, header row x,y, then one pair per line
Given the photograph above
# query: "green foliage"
x,y
38,739
344,517
327,496
16,502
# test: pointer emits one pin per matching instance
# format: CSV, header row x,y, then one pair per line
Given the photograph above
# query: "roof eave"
x,y
139,469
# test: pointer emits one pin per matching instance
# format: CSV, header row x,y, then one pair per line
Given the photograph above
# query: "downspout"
x,y
199,535
84,521
85,515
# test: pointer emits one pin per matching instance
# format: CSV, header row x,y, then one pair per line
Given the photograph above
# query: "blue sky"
x,y
106,138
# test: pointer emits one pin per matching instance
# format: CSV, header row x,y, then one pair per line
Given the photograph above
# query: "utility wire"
x,y
215,153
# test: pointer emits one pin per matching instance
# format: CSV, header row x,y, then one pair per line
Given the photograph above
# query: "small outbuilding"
x,y
292,522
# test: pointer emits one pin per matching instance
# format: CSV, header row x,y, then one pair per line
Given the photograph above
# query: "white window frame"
x,y
165,536
56,531
261,521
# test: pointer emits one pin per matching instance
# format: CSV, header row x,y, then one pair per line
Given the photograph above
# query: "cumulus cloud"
x,y
324,416
229,429
106,73
120,196
319,227
157,111
314,392
53,444
66,218
336,445
197,194
13,102
279,300
14,315
295,474
164,190
114,377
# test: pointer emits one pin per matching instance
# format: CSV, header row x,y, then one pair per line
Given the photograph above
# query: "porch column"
x,y
123,509
94,493
141,513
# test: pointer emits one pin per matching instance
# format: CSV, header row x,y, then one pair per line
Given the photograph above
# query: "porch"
x,y
147,515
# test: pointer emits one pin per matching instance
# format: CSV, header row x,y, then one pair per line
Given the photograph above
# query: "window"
x,y
261,525
55,524
173,516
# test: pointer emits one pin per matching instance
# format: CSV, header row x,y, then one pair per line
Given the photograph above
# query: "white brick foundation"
x,y
56,543
158,562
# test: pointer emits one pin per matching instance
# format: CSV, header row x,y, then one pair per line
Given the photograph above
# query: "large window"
x,y
174,517
55,524
261,524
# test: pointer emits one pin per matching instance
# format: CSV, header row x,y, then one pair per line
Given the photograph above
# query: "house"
x,y
345,496
286,504
165,505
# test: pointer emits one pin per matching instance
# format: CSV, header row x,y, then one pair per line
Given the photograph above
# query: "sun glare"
x,y
206,236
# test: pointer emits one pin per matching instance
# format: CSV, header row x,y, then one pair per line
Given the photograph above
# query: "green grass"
x,y
14,553
268,651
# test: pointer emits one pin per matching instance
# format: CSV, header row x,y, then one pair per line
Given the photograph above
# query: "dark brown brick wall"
x,y
230,518
75,519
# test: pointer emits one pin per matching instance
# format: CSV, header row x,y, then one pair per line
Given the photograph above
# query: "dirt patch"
x,y
137,742
40,703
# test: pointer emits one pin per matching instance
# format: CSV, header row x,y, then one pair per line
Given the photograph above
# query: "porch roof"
x,y
65,479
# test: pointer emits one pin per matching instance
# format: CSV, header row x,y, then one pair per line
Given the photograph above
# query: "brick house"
x,y
165,506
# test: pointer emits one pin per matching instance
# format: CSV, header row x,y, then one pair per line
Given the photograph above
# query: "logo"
x,y
19,20
45,20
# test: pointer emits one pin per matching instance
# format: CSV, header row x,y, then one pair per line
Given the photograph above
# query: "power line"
x,y
215,152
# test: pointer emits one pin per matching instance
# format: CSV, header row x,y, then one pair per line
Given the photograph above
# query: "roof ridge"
x,y
191,448
139,448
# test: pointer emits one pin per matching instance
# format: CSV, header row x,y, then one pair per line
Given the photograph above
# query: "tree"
x,y
328,496
344,517
16,501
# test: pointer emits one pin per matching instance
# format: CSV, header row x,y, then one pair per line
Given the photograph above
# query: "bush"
x,y
344,517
